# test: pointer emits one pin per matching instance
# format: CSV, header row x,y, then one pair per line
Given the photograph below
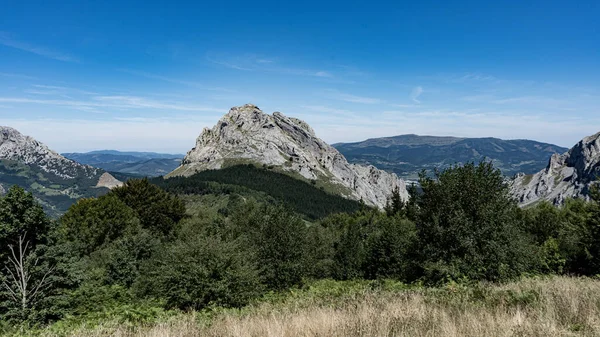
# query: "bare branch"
x,y
21,289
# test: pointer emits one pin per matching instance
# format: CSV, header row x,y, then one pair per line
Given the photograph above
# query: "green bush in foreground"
x,y
469,227
196,272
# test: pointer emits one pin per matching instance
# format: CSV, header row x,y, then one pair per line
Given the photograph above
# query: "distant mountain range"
x,y
147,164
57,182
407,155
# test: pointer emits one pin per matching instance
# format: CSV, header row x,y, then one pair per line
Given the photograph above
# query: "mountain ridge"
x,y
55,180
407,155
150,164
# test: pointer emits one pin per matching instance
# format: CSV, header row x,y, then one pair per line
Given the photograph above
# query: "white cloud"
x,y
20,76
174,80
415,93
530,100
250,62
406,106
6,40
329,110
117,102
341,96
323,74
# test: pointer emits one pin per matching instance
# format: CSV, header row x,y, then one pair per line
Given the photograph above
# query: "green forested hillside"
x,y
302,197
54,192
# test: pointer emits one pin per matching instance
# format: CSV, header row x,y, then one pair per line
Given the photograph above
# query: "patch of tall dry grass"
x,y
558,306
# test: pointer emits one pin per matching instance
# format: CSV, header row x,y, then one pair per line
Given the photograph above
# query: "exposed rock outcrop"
x,y
108,181
246,134
567,175
24,149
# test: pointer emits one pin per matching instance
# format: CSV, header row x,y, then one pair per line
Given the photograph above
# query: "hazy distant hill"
x,y
149,164
407,155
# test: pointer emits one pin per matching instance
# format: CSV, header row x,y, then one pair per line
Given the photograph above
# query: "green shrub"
x,y
279,239
196,272
92,223
468,226
158,210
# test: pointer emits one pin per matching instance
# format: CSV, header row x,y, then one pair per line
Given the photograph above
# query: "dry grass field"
x,y
554,306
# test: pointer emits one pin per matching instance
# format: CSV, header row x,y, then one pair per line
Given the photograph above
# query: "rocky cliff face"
x,y
54,180
567,175
246,134
26,150
15,146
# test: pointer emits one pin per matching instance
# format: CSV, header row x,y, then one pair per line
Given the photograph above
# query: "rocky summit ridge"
x,y
567,175
24,149
247,135
57,182
17,147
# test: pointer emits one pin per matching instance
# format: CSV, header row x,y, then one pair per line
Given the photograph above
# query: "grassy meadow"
x,y
545,306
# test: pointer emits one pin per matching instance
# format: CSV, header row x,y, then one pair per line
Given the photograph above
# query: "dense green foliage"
x,y
468,226
301,196
157,210
198,271
141,250
20,215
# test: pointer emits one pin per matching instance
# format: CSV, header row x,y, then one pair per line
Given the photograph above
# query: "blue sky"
x,y
142,76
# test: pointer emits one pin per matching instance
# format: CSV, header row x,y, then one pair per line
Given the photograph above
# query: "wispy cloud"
x,y
116,102
43,89
19,76
323,74
474,77
173,80
406,106
341,96
8,41
415,93
520,100
329,110
250,62
529,100
141,102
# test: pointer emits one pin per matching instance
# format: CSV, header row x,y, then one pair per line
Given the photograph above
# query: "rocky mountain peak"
x,y
584,157
567,175
17,147
247,135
